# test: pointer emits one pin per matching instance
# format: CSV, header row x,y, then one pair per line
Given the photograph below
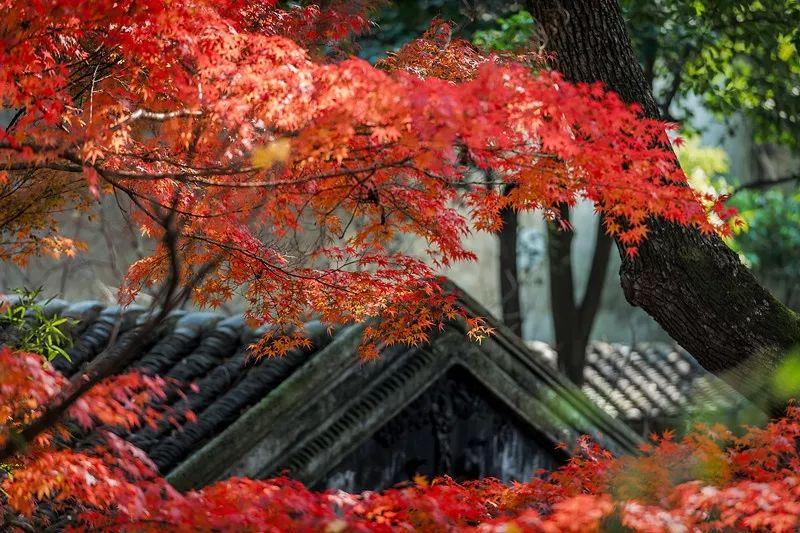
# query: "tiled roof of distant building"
x,y
651,381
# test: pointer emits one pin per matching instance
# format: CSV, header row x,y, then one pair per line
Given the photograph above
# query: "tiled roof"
x,y
235,398
649,381
204,358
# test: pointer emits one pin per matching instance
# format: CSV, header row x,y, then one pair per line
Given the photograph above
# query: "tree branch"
x,y
677,79
509,277
562,296
153,115
108,363
765,184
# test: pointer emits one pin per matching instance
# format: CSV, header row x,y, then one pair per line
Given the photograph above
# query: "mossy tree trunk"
x,y
693,285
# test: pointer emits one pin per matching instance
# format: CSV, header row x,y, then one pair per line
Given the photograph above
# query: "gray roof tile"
x,y
205,359
648,381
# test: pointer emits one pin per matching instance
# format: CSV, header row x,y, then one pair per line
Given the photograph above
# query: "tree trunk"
x,y
562,298
573,322
509,278
691,284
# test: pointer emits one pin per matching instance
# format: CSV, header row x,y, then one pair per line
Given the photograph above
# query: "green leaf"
x,y
785,51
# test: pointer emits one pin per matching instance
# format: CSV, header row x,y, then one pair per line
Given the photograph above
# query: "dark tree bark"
x,y
573,321
691,284
562,299
509,278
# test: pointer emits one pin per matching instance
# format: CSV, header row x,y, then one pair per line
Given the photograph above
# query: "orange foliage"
x,y
708,481
296,166
291,168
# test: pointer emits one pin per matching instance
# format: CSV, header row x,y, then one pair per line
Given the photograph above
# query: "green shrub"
x,y
26,327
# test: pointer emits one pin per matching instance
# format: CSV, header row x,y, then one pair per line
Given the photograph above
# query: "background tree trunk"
x,y
693,285
509,277
573,321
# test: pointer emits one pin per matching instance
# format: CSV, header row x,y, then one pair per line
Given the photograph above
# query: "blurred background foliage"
x,y
740,58
511,33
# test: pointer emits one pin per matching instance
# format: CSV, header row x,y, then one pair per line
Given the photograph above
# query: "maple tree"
x,y
267,162
296,169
